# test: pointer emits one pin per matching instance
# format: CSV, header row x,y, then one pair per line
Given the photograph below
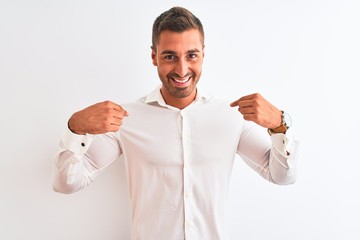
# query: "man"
x,y
178,144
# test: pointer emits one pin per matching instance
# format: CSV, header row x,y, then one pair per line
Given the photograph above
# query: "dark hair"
x,y
176,19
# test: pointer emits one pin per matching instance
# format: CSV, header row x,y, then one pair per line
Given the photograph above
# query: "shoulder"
x,y
138,103
222,105
218,110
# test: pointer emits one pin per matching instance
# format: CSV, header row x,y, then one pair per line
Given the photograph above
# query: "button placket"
x,y
186,174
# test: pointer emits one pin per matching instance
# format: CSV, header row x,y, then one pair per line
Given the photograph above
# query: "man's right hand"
x,y
99,118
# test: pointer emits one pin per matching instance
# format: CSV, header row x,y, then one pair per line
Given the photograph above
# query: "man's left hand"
x,y
256,108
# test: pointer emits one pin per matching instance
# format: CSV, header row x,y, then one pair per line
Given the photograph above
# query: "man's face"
x,y
179,58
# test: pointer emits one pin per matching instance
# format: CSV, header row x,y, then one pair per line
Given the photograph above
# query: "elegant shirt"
x,y
178,163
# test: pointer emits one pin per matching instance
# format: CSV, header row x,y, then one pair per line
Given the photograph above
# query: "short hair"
x,y
177,19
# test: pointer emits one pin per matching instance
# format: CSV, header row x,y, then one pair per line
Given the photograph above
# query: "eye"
x,y
169,57
192,55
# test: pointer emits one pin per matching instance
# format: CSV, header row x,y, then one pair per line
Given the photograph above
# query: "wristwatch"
x,y
285,124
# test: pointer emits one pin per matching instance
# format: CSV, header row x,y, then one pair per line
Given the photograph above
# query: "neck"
x,y
179,103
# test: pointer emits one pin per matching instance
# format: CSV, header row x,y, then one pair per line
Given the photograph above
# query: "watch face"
x,y
287,119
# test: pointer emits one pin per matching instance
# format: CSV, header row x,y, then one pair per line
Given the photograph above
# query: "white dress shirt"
x,y
178,163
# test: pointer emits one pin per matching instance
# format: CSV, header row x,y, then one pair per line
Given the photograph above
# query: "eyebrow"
x,y
165,52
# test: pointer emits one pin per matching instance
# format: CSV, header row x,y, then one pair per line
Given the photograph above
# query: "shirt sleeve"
x,y
80,159
273,157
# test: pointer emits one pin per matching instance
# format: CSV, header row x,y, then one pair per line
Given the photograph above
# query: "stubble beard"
x,y
180,92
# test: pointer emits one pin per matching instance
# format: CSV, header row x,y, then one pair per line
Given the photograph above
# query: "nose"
x,y
182,68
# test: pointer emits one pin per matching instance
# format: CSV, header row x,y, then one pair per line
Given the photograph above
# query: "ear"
x,y
153,56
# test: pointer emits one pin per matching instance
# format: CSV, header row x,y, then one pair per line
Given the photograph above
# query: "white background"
x,y
57,57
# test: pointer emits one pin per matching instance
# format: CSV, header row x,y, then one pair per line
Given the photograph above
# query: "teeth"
x,y
181,81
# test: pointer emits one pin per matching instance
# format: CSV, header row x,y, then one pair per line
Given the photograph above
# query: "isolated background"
x,y
57,57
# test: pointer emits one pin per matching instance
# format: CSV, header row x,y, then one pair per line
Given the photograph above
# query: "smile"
x,y
181,81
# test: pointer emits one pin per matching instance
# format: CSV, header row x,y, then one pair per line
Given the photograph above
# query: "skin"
x,y
98,118
178,58
256,108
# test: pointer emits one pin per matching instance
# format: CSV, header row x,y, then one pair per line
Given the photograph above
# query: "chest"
x,y
165,137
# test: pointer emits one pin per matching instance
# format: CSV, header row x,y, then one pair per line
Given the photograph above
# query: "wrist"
x,y
280,129
285,124
74,130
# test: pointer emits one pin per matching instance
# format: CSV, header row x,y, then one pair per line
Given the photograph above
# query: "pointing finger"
x,y
123,111
244,98
117,107
234,104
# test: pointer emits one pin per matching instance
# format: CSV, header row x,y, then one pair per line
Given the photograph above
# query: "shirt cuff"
x,y
286,146
76,143
283,143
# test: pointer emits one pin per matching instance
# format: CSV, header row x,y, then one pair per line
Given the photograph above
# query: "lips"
x,y
181,80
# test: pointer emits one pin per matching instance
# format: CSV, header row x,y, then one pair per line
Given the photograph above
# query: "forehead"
x,y
179,41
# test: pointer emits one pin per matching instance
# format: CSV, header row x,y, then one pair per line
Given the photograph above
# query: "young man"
x,y
178,144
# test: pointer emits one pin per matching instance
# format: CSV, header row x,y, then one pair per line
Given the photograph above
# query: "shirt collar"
x,y
155,96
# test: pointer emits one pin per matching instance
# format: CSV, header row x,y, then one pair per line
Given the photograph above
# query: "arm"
x,y
88,146
274,160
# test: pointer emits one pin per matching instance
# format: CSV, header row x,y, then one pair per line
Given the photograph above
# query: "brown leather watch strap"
x,y
281,129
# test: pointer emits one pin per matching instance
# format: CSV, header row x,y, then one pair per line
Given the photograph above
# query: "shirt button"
x,y
83,144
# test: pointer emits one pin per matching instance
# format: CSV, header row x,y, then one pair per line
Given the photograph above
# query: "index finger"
x,y
246,97
121,109
116,107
